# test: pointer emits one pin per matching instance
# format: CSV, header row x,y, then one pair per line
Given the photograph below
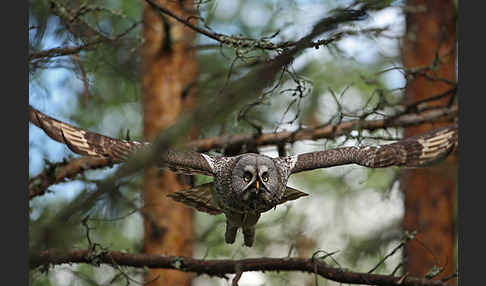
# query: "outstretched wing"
x,y
417,151
88,143
201,198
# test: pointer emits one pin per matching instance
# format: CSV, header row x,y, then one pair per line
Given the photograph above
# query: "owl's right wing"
x,y
88,143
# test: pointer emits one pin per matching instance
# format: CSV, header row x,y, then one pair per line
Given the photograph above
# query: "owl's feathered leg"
x,y
249,235
248,226
230,234
246,221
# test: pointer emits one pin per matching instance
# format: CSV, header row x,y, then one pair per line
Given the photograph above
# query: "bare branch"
x,y
414,105
345,15
59,52
327,131
57,173
221,267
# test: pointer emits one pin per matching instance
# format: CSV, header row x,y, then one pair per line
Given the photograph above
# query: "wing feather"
x,y
417,151
291,194
200,198
88,143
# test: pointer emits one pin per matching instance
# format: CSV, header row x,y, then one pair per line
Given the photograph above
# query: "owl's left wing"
x,y
417,151
88,143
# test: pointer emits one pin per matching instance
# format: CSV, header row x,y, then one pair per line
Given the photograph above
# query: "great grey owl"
x,y
249,184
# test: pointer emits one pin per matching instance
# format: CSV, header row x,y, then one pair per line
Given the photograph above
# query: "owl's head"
x,y
256,181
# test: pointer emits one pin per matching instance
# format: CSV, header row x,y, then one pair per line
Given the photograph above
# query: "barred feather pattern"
x,y
200,198
88,143
417,151
85,142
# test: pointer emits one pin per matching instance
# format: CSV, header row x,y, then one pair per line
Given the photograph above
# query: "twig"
x,y
447,278
237,276
59,52
402,244
57,173
263,43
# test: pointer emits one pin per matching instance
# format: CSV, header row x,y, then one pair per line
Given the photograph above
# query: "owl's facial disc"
x,y
255,179
255,182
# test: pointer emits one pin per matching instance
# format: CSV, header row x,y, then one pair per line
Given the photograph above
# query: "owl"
x,y
247,185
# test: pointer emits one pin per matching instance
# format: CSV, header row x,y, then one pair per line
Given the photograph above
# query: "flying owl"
x,y
247,185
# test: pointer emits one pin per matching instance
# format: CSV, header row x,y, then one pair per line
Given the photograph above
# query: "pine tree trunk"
x,y
169,66
430,192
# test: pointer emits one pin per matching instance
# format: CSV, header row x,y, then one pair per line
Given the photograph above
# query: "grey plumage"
x,y
247,185
244,187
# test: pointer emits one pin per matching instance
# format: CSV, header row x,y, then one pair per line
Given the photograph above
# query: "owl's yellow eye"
x,y
247,177
265,177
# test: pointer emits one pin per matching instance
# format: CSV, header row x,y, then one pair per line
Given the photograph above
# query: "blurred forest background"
x,y
111,67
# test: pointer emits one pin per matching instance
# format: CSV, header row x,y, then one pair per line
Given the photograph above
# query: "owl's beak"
x,y
257,185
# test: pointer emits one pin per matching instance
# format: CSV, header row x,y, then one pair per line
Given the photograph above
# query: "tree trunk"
x,y
430,192
169,66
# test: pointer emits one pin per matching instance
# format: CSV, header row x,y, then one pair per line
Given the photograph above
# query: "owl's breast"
x,y
230,200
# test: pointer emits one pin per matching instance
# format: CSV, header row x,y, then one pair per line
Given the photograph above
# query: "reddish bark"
x,y
169,66
430,192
